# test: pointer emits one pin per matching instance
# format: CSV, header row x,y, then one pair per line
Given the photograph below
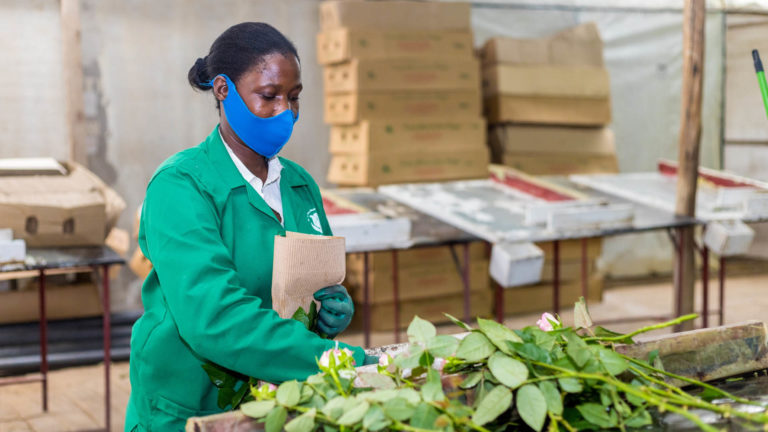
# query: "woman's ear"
x,y
220,88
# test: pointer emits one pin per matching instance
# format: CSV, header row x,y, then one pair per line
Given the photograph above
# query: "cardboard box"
x,y
394,15
547,81
391,135
580,45
538,298
62,302
402,74
510,138
432,309
418,282
350,108
343,44
561,164
548,110
76,209
404,167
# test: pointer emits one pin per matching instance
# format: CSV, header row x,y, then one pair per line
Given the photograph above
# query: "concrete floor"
x,y
76,401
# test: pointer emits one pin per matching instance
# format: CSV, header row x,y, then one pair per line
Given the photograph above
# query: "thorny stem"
x,y
644,329
690,381
762,418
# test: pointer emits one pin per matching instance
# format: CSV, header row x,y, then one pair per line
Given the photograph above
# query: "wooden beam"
x,y
72,69
694,15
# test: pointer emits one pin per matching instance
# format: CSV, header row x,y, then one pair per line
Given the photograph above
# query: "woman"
x,y
208,225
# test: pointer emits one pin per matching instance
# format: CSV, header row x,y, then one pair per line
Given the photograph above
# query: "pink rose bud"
x,y
384,360
271,387
438,364
545,323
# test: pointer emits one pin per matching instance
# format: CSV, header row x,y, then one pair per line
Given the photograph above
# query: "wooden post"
x,y
694,15
72,68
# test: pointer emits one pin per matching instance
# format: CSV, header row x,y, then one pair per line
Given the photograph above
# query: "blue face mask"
x,y
265,136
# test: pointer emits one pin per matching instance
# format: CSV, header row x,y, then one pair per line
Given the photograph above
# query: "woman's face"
x,y
268,88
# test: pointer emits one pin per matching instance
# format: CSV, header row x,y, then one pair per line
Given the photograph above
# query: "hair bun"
x,y
198,74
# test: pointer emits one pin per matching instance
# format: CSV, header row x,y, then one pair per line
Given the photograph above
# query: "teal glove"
x,y
336,310
369,360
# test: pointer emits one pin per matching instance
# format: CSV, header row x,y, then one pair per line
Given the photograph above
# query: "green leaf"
x,y
709,394
302,317
335,407
424,417
570,385
507,370
275,419
597,415
420,331
531,351
604,332
302,423
546,340
375,419
471,380
411,360
378,395
459,410
398,409
312,315
432,390
376,380
239,395
552,396
493,405
638,419
577,349
475,347
442,346
355,414
581,318
218,375
613,362
289,393
532,406
306,394
409,395
652,356
224,398
257,409
498,334
458,322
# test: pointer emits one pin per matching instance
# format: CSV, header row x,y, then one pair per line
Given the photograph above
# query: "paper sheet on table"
x,y
303,264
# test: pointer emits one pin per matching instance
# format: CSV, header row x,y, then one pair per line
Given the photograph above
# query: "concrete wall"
x,y
31,84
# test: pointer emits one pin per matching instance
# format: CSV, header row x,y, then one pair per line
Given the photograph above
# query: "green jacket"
x,y
210,236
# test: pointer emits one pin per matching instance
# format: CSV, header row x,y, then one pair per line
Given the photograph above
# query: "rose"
x,y
384,360
338,356
548,322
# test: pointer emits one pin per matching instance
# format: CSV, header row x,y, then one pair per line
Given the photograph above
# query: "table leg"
x,y
677,278
366,304
107,334
556,277
705,285
499,300
43,338
465,277
584,270
721,289
396,294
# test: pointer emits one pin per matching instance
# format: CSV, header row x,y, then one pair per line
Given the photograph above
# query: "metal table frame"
x,y
40,260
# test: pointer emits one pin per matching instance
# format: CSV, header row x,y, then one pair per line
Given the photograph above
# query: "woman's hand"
x,y
336,310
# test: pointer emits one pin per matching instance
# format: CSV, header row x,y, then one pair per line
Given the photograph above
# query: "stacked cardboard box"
x,y
402,92
430,284
548,101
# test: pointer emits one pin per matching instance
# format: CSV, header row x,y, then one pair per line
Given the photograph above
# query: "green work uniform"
x,y
210,237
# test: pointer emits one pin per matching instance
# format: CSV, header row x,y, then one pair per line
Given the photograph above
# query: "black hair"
x,y
237,50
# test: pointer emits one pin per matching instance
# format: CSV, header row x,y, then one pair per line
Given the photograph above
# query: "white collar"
x,y
273,166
